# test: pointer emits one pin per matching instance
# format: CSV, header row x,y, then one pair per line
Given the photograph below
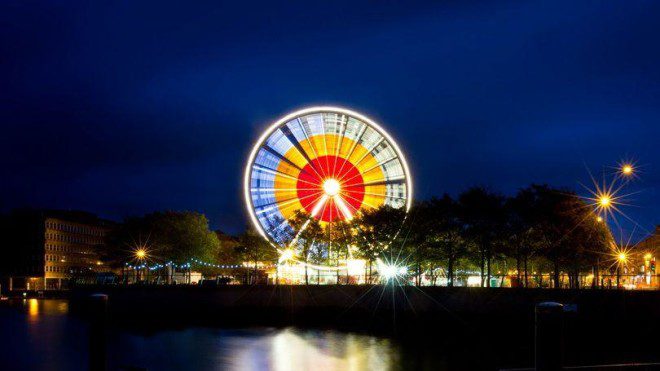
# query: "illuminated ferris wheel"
x,y
330,163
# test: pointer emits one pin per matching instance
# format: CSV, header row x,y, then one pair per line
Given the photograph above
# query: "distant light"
x,y
627,169
599,219
648,256
388,271
355,267
622,257
141,253
474,281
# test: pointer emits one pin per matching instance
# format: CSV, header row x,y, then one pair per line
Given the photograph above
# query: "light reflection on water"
x,y
256,349
37,308
39,335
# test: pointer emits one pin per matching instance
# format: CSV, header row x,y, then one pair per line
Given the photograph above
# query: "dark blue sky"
x,y
127,108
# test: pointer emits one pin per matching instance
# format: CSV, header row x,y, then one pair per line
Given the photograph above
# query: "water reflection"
x,y
291,349
40,335
256,349
36,308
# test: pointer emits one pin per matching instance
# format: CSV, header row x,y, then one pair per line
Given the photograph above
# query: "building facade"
x,y
649,251
46,249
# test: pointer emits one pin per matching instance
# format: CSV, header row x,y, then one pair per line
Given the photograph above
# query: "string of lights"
x,y
189,264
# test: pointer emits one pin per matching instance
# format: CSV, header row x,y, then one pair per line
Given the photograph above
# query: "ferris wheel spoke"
x,y
386,182
319,205
353,146
273,171
360,201
385,195
343,125
296,144
343,208
312,146
280,204
324,134
268,190
378,165
357,163
283,158
262,209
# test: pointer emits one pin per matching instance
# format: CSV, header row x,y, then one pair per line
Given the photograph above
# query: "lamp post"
x,y
141,256
622,257
627,170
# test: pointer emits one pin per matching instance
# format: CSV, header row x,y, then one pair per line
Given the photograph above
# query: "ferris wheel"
x,y
329,162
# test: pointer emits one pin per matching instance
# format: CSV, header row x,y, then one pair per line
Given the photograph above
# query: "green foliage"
x,y
376,229
252,247
539,229
166,236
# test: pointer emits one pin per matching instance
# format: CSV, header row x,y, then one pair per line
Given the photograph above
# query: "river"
x,y
42,335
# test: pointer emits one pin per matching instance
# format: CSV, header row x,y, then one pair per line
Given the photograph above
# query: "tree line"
x,y
540,230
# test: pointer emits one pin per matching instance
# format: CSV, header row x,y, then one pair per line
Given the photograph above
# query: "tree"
x,y
254,248
310,233
343,234
482,215
522,226
562,228
229,252
375,230
443,229
167,236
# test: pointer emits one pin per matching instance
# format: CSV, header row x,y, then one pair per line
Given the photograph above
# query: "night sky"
x,y
122,108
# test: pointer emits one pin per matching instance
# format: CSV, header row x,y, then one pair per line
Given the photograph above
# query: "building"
x,y
650,244
45,249
649,249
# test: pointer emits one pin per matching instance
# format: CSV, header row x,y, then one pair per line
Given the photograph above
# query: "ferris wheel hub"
x,y
331,187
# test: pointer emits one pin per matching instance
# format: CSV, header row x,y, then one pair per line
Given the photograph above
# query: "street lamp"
x,y
627,169
604,201
622,258
141,254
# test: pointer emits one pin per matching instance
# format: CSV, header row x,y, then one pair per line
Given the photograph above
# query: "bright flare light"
x,y
390,271
355,267
331,187
622,257
604,200
627,169
141,253
286,255
607,199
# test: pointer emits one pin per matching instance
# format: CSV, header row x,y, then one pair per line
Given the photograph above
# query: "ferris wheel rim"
x,y
307,111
